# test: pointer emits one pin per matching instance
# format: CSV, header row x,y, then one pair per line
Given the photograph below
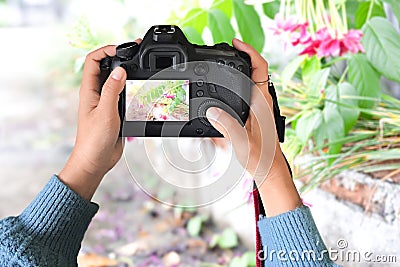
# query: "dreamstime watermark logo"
x,y
192,172
339,254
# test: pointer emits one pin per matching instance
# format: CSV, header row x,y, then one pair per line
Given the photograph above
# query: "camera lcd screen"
x,y
157,100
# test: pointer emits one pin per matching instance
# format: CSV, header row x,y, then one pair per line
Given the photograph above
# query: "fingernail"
x,y
213,113
117,73
240,41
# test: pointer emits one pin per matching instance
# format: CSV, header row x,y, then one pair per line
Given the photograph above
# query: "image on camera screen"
x,y
157,100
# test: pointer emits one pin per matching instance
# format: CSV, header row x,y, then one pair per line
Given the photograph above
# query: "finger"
x,y
222,143
92,68
89,92
111,90
258,63
259,74
228,126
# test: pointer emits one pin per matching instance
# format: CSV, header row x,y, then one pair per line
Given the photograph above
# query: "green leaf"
x,y
214,240
82,36
194,225
223,5
364,78
271,9
332,125
343,98
248,259
220,26
320,134
249,24
306,123
193,35
78,65
195,18
310,67
228,239
238,262
395,5
349,110
351,9
335,128
318,81
381,42
289,71
362,13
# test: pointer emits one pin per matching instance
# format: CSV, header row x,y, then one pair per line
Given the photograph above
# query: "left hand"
x,y
97,147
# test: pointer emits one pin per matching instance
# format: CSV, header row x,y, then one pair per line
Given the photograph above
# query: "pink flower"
x,y
329,47
169,96
292,31
164,117
248,198
310,50
141,106
283,25
323,45
351,42
302,37
306,203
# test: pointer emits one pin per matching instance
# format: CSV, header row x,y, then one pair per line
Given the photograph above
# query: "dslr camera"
x,y
171,83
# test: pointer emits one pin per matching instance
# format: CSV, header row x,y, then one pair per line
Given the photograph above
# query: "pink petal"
x,y
306,203
329,48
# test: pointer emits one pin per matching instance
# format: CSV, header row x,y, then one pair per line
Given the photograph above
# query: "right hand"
x,y
256,145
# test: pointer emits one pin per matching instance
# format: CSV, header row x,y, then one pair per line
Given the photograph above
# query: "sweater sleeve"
x,y
49,231
292,239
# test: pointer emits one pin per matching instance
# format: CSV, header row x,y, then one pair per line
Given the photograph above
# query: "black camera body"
x,y
171,83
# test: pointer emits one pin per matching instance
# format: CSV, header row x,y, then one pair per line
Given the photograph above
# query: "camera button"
x,y
133,67
212,88
199,131
201,69
200,93
200,83
240,68
231,64
221,62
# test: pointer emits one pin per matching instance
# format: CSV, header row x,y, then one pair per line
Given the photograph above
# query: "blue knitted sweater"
x,y
50,230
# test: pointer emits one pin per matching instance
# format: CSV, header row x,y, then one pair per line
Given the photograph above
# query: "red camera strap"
x,y
258,210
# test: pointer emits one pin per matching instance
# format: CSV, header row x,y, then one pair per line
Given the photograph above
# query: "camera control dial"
x,y
126,51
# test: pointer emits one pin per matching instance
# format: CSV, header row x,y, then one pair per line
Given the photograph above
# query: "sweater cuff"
x,y
58,218
296,234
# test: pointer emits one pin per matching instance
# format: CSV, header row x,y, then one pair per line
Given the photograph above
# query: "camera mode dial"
x,y
126,51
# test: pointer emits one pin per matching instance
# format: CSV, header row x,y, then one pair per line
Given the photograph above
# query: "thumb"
x,y
228,126
112,88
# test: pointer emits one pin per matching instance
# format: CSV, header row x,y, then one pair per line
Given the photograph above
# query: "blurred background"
x,y
338,84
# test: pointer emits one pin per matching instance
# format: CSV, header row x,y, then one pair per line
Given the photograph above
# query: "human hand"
x,y
97,146
256,145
